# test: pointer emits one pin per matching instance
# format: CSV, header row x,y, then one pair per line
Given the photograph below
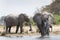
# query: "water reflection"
x,y
30,38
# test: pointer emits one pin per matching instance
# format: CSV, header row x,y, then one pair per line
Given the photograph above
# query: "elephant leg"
x,y
48,32
45,30
17,28
48,26
42,33
51,28
41,30
9,29
21,28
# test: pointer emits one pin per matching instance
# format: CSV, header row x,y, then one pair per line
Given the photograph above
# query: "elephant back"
x,y
11,20
23,17
37,18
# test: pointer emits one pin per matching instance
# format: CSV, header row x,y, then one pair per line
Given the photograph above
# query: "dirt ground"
x,y
55,31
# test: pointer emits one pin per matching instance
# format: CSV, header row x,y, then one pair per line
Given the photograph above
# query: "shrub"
x,y
56,19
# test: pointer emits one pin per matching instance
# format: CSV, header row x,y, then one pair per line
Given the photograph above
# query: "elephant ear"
x,y
36,15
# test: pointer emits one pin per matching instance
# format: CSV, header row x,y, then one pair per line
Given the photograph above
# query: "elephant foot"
x,y
47,34
15,32
20,32
42,37
30,29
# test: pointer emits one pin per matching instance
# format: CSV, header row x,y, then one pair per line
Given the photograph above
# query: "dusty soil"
x,y
55,31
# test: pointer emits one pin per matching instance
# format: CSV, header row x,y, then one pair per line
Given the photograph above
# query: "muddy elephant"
x,y
16,21
42,23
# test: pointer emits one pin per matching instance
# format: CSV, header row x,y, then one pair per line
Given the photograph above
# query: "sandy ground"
x,y
55,30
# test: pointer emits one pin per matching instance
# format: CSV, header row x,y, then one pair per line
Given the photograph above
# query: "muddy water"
x,y
56,37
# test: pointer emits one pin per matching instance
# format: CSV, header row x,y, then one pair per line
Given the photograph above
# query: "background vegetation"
x,y
53,8
56,19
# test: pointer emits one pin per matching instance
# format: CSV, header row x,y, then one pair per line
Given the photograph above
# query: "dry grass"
x,y
56,30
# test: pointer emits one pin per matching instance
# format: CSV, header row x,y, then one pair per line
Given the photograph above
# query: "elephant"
x,y
21,19
42,23
16,21
50,19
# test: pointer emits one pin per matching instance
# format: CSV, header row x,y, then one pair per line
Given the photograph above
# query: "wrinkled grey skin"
x,y
42,23
46,24
16,21
50,20
21,19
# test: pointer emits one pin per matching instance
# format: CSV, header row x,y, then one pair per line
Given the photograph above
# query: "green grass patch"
x,y
57,19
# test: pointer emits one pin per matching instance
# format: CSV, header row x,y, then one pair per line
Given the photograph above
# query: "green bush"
x,y
57,19
32,22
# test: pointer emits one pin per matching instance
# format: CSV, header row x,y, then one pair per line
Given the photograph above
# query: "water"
x,y
56,37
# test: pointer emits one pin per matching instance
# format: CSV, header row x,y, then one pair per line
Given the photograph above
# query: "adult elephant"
x,y
21,19
16,21
42,23
50,20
